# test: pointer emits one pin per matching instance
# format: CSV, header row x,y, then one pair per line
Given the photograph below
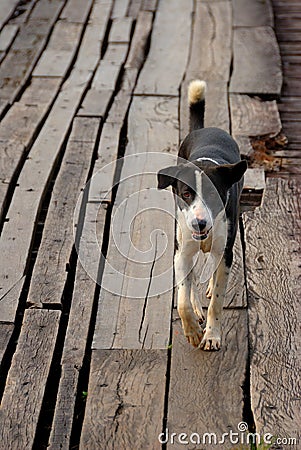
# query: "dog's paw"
x,y
193,333
209,288
211,340
199,313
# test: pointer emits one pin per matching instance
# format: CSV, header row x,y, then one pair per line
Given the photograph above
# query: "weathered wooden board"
x,y
51,267
236,295
121,30
134,8
46,9
251,117
167,59
252,14
211,61
7,36
140,39
134,274
149,5
272,235
7,8
120,8
27,377
257,62
24,54
64,415
35,176
128,387
77,10
6,330
60,51
205,392
78,324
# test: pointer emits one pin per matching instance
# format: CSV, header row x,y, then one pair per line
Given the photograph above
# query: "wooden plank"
x,y
7,8
46,9
63,419
6,330
124,385
149,5
152,128
27,377
24,54
60,51
201,383
78,324
121,30
7,35
257,62
17,233
236,295
253,14
51,267
134,8
163,71
212,41
77,11
210,61
139,41
120,8
251,117
272,235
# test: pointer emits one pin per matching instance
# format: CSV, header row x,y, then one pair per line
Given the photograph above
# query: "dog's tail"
x,y
196,101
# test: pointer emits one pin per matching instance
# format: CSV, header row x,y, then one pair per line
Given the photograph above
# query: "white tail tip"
x,y
196,91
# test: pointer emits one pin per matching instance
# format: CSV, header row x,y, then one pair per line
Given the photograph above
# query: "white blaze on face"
x,y
198,208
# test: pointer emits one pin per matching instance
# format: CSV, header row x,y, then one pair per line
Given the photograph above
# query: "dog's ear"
x,y
232,173
167,177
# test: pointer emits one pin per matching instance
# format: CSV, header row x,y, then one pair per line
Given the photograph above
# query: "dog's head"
x,y
201,191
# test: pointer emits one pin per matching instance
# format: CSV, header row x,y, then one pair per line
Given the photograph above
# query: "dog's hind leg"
x,y
212,337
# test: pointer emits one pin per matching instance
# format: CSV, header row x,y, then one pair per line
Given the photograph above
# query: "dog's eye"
x,y
186,194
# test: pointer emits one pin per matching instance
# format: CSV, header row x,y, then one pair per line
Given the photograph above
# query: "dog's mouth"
x,y
200,236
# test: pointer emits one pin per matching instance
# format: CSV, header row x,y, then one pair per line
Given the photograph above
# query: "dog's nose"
x,y
199,224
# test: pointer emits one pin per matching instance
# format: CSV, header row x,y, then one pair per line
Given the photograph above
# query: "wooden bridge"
x,y
91,349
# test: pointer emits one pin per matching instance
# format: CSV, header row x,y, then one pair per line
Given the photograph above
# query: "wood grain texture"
x,y
202,383
7,36
256,63
128,388
140,39
77,11
7,9
121,30
211,61
120,8
272,235
133,273
28,374
6,330
25,52
60,50
253,14
51,267
63,416
251,117
16,238
165,65
80,317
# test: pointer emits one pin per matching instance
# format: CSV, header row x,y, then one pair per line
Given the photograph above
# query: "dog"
x,y
207,182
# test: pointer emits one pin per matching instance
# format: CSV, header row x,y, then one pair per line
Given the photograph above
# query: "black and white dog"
x,y
207,182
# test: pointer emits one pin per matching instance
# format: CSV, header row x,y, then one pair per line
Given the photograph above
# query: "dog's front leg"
x,y
212,337
183,273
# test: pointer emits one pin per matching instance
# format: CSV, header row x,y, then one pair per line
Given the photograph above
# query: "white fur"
x,y
196,91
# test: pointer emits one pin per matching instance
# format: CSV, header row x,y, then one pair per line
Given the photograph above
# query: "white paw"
x,y
193,333
200,315
211,339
